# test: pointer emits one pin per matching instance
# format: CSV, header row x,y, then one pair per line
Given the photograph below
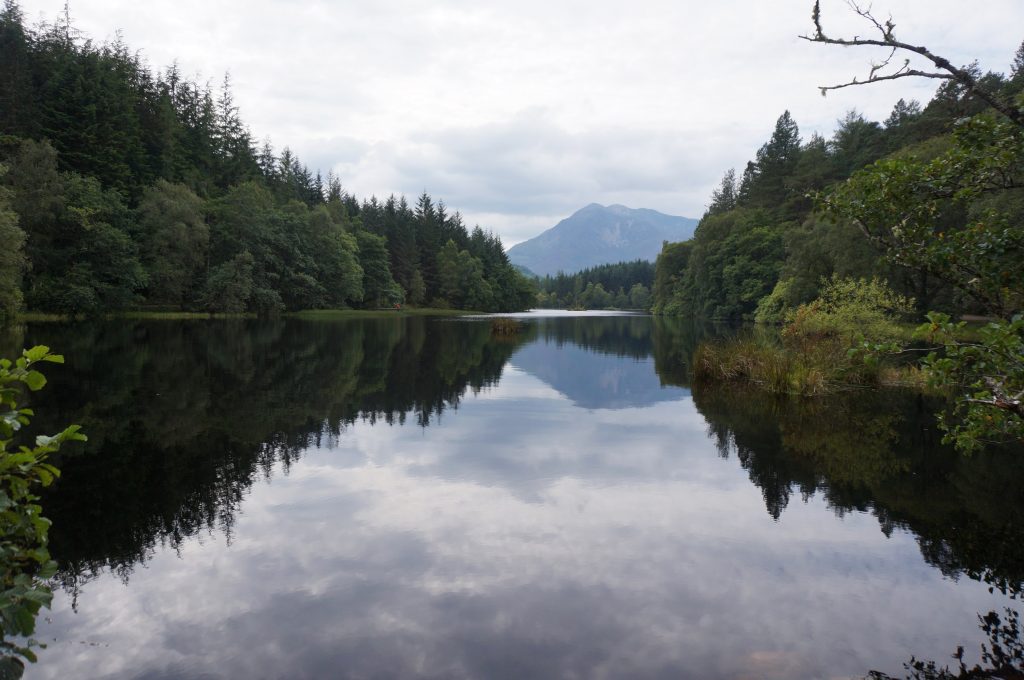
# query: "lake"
x,y
414,497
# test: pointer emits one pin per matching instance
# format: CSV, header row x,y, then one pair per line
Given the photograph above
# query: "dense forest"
x,y
125,188
625,285
765,245
919,217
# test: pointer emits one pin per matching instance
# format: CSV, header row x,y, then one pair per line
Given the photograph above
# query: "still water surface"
x,y
414,498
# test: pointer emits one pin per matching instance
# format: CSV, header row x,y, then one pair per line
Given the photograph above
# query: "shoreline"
x,y
136,315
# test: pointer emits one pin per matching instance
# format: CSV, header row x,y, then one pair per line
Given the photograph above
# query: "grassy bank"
x,y
807,368
304,314
376,313
851,336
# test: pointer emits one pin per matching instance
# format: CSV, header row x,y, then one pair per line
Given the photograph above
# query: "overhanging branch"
x,y
946,70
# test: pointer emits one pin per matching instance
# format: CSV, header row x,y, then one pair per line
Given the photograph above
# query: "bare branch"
x,y
888,40
999,399
892,76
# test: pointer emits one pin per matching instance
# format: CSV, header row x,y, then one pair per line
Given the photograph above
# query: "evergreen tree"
x,y
417,289
17,100
174,241
12,257
229,287
724,197
855,143
379,288
136,188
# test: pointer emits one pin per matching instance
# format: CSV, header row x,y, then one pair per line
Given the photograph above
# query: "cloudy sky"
x,y
518,113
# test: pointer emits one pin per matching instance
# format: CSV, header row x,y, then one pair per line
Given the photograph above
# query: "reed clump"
x,y
842,339
758,360
506,327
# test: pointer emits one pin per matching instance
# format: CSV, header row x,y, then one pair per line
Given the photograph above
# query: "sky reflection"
x,y
532,532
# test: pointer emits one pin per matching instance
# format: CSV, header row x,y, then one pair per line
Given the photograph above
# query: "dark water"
x,y
413,498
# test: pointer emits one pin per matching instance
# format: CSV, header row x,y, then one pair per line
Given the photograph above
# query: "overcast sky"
x,y
517,113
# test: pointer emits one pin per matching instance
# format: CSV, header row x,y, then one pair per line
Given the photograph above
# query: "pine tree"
x,y
724,197
17,115
12,256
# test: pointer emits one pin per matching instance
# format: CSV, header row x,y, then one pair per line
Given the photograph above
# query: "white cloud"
x,y
518,113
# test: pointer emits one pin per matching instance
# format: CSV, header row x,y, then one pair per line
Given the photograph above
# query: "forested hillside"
x,y
125,188
625,285
763,248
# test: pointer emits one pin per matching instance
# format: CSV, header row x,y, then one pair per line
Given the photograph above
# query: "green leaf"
x,y
35,380
24,622
36,353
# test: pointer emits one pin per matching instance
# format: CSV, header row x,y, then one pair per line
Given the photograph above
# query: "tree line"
x,y
926,207
764,245
624,285
121,187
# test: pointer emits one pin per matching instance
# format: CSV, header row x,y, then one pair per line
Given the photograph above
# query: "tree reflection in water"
x,y
185,417
1002,658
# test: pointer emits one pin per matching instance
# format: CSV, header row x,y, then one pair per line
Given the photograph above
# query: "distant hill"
x,y
600,234
525,271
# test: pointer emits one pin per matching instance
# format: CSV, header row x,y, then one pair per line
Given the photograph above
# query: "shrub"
x,y
25,562
851,311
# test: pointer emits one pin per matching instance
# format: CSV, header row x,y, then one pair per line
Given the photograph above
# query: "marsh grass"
x,y
805,366
505,327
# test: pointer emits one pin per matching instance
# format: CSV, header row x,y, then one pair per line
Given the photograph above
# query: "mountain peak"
x,y
597,234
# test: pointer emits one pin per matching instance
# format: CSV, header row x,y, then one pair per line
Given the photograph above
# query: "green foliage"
x,y
175,242
338,275
920,213
229,286
733,262
821,345
819,249
566,291
639,296
82,258
955,217
464,282
987,375
25,562
136,188
594,296
851,310
764,180
12,256
669,278
417,289
379,289
730,267
774,307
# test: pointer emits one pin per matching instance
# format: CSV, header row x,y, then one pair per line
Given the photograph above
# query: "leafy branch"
x,y
25,563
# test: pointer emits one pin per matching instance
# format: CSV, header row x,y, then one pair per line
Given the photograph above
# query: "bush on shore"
x,y
822,345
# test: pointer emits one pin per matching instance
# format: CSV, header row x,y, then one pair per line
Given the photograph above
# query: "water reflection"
x,y
582,358
881,455
183,418
414,498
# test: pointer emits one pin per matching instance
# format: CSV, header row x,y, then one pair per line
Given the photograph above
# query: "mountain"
x,y
593,380
600,234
